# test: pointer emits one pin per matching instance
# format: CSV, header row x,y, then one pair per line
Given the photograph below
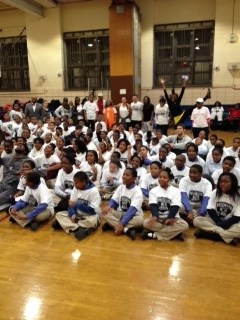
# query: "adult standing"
x,y
148,109
90,109
162,115
100,103
124,113
64,110
200,119
137,111
34,109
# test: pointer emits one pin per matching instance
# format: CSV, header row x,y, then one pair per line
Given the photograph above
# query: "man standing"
x,y
100,103
90,109
34,109
200,119
137,111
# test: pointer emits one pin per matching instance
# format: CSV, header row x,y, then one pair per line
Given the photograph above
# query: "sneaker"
x,y
145,235
107,227
82,233
56,225
234,242
34,225
131,233
179,237
201,234
11,220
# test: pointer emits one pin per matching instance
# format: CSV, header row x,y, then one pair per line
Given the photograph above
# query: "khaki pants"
x,y
207,224
86,221
166,232
46,214
114,217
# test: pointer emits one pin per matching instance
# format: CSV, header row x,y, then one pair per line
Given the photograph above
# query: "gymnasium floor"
x,y
49,275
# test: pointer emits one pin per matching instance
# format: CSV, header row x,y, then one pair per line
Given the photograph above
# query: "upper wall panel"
x,y
82,16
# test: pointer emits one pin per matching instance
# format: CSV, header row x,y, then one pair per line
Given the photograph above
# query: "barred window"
x,y
86,60
184,49
14,72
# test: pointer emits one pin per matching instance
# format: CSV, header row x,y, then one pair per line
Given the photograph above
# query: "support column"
x,y
124,44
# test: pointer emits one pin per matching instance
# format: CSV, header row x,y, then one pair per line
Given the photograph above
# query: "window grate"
x,y
86,60
184,48
14,72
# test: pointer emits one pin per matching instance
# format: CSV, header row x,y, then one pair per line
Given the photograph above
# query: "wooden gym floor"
x,y
47,275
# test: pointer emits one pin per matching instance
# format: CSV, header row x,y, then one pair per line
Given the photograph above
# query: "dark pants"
x,y
91,124
139,123
196,131
163,128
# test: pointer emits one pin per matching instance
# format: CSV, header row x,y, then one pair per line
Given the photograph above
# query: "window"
x,y
184,49
87,60
14,75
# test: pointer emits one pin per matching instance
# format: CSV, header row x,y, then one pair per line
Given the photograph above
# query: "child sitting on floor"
x,y
84,208
35,205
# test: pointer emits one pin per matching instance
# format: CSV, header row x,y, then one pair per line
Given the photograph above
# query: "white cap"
x,y
100,94
200,100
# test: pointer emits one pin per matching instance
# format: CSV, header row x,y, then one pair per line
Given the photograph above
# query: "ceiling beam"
x,y
47,3
30,7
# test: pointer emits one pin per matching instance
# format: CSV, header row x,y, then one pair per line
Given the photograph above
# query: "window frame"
x,y
194,65
14,67
86,68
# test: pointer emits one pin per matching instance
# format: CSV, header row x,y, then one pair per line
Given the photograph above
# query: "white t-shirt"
x,y
91,109
39,195
22,183
161,114
195,190
148,182
165,198
137,111
217,174
89,197
64,181
179,174
225,206
198,160
42,162
200,117
128,197
84,166
117,178
34,153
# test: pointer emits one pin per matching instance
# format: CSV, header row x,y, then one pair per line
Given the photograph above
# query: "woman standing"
x,y
124,113
162,115
148,109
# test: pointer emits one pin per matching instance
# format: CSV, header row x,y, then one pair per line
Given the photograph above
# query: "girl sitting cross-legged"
x,y
164,203
222,221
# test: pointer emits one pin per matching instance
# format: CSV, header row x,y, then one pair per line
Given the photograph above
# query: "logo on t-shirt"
x,y
125,203
177,178
89,174
83,201
152,185
195,196
163,205
68,184
223,209
32,201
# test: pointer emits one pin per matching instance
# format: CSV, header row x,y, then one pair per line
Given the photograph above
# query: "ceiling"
x,y
33,6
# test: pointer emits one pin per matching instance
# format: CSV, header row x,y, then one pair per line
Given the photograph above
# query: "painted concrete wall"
x,y
45,45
